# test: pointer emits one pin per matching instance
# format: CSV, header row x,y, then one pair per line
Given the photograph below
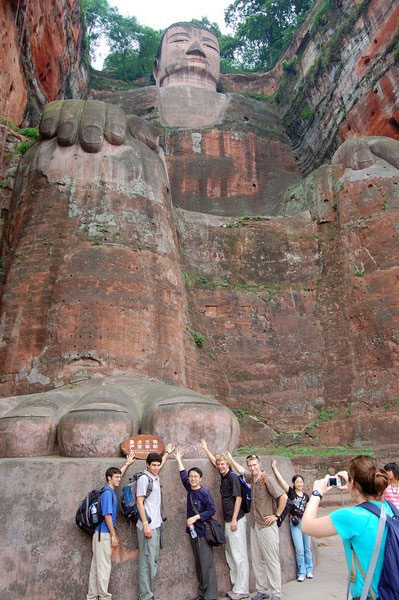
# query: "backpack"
x,y
129,497
89,514
246,494
388,588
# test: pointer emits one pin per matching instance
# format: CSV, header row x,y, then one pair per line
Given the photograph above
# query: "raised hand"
x,y
204,445
169,448
178,453
130,458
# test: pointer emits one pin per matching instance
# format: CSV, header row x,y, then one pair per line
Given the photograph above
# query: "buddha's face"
x,y
189,56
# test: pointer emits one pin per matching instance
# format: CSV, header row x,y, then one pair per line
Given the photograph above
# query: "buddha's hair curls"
x,y
368,475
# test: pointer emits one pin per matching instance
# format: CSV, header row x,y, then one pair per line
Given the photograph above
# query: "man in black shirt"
x,y
235,528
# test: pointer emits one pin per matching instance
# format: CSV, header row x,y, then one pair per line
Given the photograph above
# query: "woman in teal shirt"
x,y
356,526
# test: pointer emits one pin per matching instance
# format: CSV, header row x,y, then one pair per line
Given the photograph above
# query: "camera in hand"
x,y
335,480
295,520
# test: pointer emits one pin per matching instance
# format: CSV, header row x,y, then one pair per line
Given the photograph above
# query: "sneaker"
x,y
275,597
234,596
260,596
300,578
309,575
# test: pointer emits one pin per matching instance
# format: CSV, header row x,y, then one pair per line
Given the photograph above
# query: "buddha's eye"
x,y
211,47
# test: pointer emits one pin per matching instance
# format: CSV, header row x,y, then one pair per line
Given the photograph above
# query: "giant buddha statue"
x,y
96,342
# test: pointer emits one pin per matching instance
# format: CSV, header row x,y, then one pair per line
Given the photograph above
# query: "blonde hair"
x,y
223,456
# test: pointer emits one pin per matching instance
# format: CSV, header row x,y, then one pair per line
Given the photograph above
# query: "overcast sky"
x,y
158,14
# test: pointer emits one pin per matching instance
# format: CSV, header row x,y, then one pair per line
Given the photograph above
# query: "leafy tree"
x,y
98,15
137,59
122,35
205,22
228,45
263,29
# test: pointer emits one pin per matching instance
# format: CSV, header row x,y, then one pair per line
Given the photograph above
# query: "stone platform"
x,y
44,556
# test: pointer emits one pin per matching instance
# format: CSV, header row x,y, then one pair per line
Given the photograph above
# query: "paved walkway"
x,y
330,575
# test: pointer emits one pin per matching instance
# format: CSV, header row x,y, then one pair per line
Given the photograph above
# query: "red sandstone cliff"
x,y
338,79
41,56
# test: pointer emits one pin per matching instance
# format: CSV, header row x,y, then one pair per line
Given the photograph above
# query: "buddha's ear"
x,y
155,69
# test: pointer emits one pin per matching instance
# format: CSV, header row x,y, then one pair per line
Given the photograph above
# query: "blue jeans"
x,y
303,550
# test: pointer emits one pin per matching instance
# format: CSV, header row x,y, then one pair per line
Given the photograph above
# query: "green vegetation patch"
x,y
29,132
198,337
294,451
200,279
324,415
244,220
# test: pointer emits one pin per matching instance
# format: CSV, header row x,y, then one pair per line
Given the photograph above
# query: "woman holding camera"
x,y
392,491
302,542
357,527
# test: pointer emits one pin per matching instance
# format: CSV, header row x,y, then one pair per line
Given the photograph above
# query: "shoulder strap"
x,y
150,485
381,513
393,508
195,509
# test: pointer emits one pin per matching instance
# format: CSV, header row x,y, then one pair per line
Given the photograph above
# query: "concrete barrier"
x,y
44,556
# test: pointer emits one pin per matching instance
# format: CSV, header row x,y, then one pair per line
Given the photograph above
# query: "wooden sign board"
x,y
142,445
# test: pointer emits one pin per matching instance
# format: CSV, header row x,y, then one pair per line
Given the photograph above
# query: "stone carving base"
x,y
46,557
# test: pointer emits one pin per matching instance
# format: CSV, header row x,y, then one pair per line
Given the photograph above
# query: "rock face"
x,y
346,80
225,273
63,542
41,56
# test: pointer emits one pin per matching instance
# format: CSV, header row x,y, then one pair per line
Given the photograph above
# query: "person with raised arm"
x,y
150,522
235,528
266,507
105,537
356,525
200,508
302,542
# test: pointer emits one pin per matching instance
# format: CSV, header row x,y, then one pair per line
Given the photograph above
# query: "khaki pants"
x,y
100,569
148,562
237,555
265,558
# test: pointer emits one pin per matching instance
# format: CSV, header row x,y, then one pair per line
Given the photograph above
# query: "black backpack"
x,y
129,497
89,514
246,494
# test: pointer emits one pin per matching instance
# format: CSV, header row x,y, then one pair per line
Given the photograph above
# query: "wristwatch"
x,y
317,494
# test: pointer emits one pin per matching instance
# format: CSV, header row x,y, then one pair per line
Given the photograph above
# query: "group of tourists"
x,y
375,491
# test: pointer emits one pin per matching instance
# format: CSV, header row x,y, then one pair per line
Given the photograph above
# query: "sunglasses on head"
x,y
252,456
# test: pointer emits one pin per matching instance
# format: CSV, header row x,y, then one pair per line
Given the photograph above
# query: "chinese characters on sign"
x,y
142,445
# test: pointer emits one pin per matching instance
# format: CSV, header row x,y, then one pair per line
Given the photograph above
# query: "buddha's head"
x,y
188,55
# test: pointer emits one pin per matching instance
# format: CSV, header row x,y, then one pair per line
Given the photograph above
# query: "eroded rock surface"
x,y
41,56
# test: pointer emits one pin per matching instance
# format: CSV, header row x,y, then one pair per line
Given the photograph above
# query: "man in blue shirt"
x,y
105,538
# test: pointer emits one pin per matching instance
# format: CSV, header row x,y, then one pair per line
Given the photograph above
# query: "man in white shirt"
x,y
149,525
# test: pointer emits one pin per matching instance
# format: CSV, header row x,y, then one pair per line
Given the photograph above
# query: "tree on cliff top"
x,y
263,29
98,15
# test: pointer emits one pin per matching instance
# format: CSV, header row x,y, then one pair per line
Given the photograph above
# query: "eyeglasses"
x,y
252,456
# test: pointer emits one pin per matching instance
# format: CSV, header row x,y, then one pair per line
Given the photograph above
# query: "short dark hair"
x,y
197,470
153,457
112,471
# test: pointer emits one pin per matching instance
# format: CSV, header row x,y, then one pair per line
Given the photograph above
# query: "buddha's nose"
x,y
196,48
